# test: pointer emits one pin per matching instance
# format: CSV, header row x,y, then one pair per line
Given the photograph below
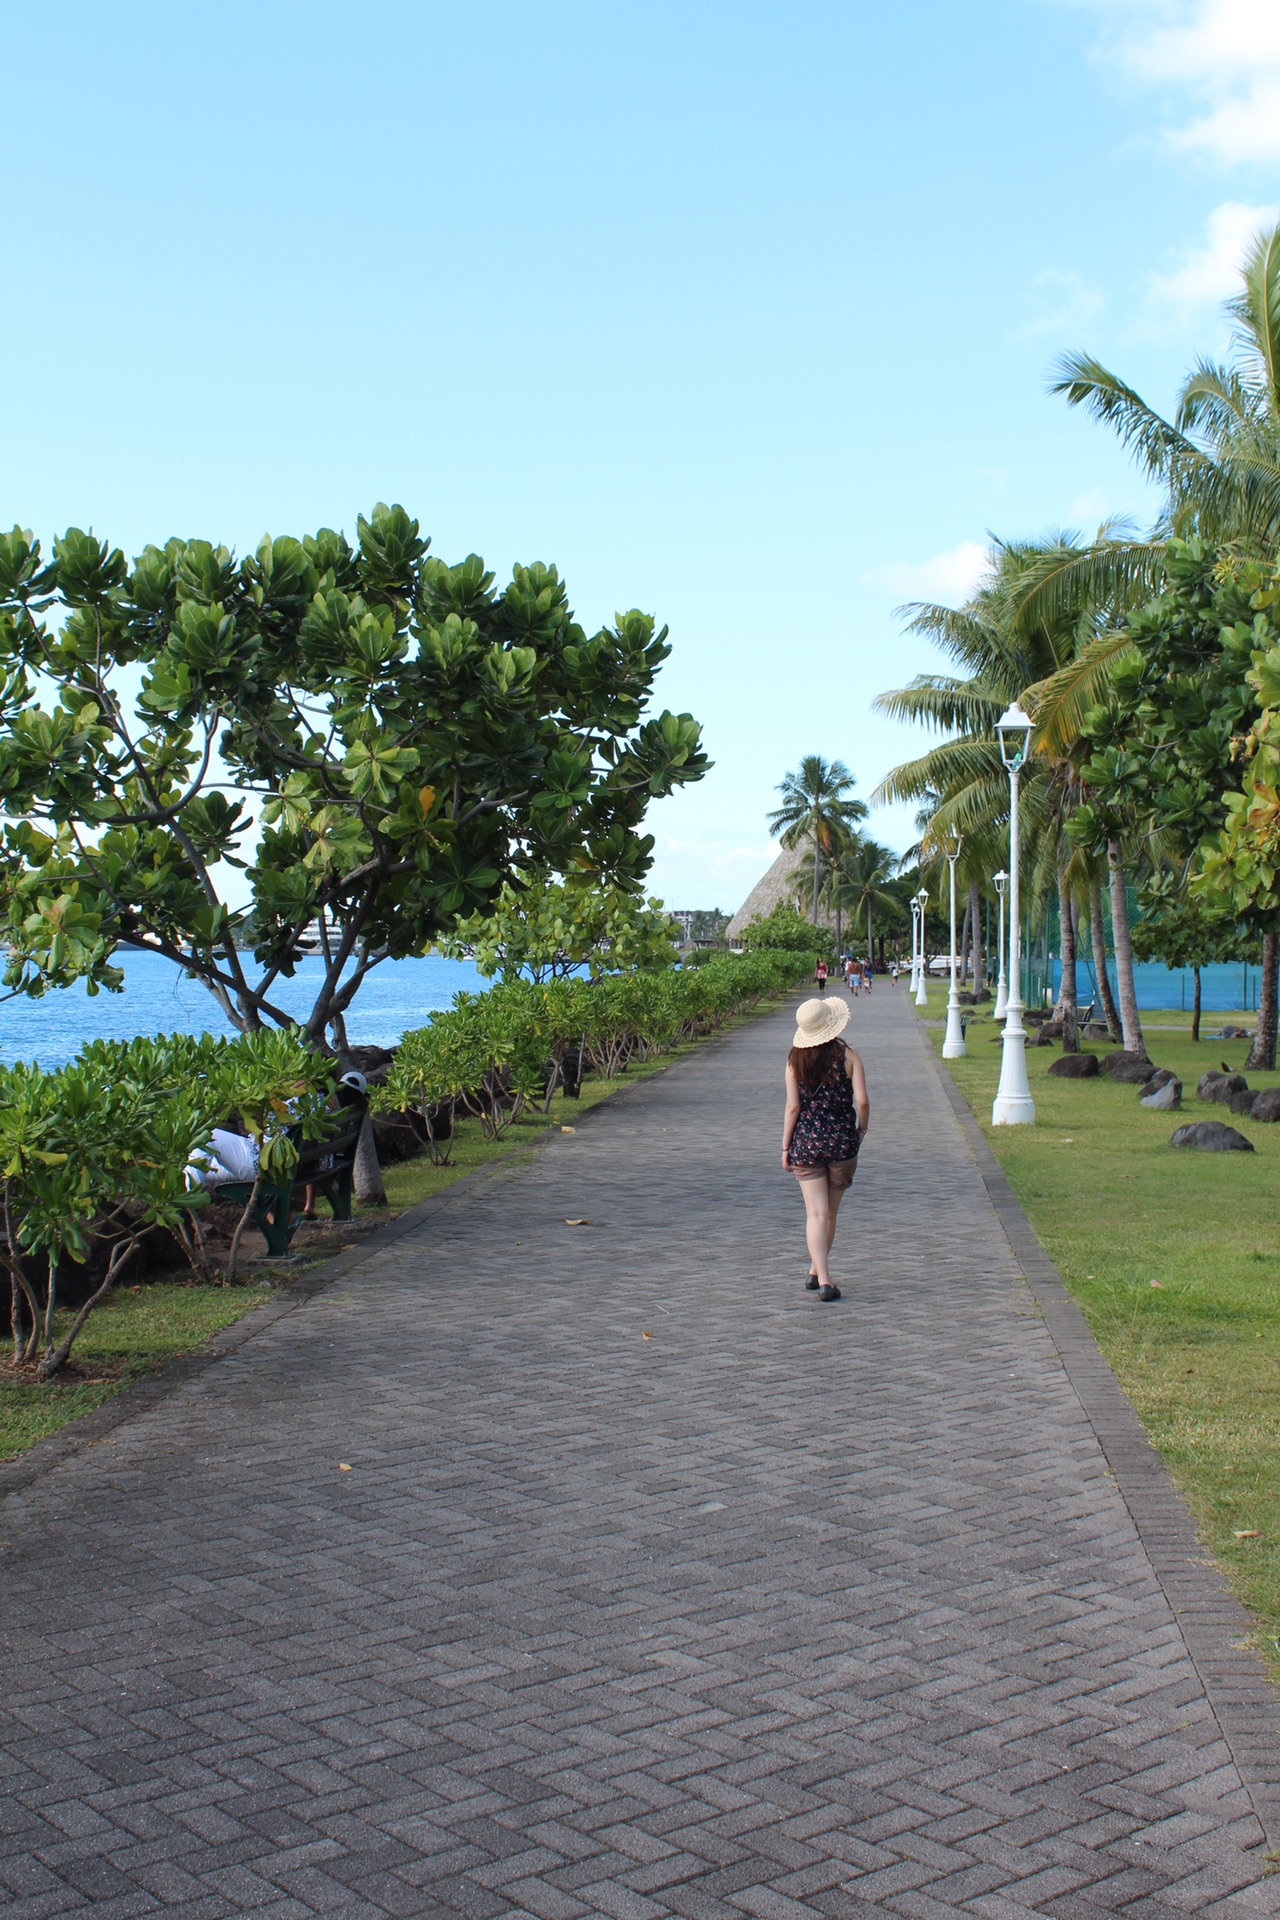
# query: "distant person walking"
x,y
893,974
823,1127
820,975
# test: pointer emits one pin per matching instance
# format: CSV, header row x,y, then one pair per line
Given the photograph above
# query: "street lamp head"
x,y
1001,880
1014,729
922,898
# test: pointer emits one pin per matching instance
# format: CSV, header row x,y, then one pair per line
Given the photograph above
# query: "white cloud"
x,y
1061,301
946,579
1223,55
1211,273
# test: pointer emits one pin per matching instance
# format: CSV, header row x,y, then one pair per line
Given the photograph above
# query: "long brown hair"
x,y
813,1065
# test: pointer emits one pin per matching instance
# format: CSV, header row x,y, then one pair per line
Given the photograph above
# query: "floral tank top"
x,y
828,1126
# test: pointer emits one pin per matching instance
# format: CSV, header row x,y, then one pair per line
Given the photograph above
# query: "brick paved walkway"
x,y
786,1610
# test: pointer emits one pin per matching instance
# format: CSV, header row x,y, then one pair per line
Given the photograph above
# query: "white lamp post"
x,y
953,1046
922,998
1013,1105
915,943
1001,880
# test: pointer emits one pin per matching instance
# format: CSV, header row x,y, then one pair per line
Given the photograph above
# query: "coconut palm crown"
x,y
817,805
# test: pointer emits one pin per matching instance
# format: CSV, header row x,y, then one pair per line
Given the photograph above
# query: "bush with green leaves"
x,y
492,1054
785,929
546,929
93,1155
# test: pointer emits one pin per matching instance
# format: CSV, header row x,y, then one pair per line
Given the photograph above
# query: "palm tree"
x,y
816,805
1011,655
1219,463
859,881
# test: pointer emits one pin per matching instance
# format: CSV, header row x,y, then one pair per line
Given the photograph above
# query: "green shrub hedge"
x,y
491,1054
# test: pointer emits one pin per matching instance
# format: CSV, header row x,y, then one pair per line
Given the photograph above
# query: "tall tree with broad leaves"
x,y
377,740
817,805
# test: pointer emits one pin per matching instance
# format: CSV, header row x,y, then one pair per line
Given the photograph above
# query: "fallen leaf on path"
x,y
568,1129
646,1335
577,1223
1249,1533
343,1467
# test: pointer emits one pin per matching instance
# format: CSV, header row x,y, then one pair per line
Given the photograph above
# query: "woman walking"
x,y
823,1127
820,975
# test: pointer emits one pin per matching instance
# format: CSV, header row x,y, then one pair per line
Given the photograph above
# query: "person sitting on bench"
x,y
228,1156
352,1091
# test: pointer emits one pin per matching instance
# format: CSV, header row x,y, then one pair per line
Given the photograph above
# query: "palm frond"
x,y
1060,703
956,630
937,700
1256,310
949,765
1115,575
1215,400
1154,441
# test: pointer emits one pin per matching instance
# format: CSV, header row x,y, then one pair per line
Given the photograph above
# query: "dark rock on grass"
x,y
1130,1069
1266,1104
1216,1085
1074,1066
1211,1136
1244,1101
1162,1094
1096,1030
1034,1018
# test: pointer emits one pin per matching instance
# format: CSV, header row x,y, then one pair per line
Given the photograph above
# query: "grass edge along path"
x,y
140,1331
1171,1256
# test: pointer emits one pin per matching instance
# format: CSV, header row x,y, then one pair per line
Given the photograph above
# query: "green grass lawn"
x,y
1174,1258
131,1333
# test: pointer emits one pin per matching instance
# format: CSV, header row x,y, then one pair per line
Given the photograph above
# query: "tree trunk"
x,y
816,859
962,958
975,938
365,1172
1130,1024
870,947
1098,934
839,929
1067,1006
1195,1007
1262,1054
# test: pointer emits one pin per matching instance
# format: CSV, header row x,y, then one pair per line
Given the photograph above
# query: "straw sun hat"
x,y
820,1020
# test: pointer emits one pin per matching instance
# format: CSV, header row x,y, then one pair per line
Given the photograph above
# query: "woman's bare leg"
x,y
836,1195
819,1226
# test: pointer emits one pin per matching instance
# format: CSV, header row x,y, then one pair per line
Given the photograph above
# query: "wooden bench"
x,y
273,1210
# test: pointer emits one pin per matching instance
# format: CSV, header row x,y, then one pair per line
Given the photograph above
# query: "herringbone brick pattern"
x,y
787,1609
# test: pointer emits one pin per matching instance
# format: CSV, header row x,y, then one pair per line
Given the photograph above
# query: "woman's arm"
x,y
861,1101
790,1116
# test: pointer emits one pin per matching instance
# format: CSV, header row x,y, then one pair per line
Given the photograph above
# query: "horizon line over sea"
x,y
158,997
400,994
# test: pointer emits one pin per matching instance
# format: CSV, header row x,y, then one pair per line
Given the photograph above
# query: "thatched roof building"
x,y
788,879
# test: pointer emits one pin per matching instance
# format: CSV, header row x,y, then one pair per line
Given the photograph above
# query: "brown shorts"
x,y
838,1173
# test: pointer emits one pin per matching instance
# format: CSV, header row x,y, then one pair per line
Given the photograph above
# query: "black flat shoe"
x,y
829,1293
812,1283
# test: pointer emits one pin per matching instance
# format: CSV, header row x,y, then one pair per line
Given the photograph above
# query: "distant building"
x,y
789,880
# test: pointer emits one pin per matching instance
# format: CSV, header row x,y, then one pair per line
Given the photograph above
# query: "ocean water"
x,y
159,998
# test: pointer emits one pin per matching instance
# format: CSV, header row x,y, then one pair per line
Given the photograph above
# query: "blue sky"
x,y
741,313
